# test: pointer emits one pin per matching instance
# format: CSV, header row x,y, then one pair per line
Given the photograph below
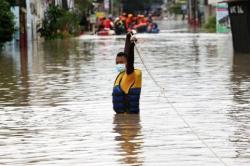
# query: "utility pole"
x,y
23,23
111,7
23,37
193,12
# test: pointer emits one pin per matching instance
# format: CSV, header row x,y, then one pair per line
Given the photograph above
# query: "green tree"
x,y
83,5
59,23
176,7
210,26
7,24
12,2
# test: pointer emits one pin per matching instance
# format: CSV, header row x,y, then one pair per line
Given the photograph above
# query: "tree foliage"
x,y
210,26
12,2
83,5
176,7
7,24
59,23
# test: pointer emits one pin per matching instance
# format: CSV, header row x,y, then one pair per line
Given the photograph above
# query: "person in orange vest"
x,y
129,22
108,24
100,23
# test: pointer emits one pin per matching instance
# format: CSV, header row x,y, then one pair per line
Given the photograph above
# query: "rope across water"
x,y
163,91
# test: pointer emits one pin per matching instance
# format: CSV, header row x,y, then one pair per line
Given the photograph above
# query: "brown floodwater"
x,y
55,103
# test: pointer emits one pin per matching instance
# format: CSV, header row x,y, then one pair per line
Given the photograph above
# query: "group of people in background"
x,y
125,23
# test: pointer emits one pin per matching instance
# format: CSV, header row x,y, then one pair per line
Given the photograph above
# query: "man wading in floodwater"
x,y
127,86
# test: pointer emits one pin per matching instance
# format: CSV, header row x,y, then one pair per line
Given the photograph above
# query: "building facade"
x,y
66,4
35,11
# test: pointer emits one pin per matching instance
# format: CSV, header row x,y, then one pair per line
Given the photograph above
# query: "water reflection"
x,y
24,90
8,78
68,84
129,139
240,78
14,86
239,112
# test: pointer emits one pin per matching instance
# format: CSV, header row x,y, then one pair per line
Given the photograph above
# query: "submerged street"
x,y
56,103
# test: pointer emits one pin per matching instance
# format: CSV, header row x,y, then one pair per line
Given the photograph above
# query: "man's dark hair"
x,y
121,54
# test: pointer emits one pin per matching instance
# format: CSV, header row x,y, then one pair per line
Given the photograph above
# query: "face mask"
x,y
120,67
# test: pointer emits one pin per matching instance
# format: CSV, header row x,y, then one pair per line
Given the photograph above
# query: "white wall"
x,y
37,10
70,3
213,2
